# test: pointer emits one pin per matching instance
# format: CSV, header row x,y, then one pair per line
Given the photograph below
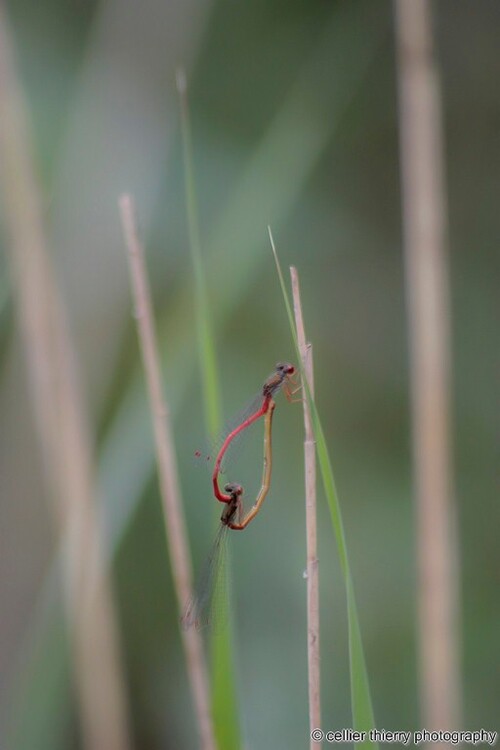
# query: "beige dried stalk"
x,y
312,570
425,234
169,484
63,433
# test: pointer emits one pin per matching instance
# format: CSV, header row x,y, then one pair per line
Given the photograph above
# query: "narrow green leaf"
x,y
361,703
224,694
206,345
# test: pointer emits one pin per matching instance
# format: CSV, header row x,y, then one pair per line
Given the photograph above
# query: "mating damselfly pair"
x,y
198,609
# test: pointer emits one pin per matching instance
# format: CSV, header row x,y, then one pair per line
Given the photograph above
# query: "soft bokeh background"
x,y
293,108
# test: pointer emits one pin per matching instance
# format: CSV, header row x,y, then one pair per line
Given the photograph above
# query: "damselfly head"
x,y
233,489
283,373
233,507
285,369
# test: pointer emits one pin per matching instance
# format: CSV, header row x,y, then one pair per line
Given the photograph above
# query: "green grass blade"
x,y
224,694
362,709
224,703
206,345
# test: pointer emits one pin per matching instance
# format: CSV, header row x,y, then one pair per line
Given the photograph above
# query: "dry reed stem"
x,y
313,653
167,469
425,233
62,429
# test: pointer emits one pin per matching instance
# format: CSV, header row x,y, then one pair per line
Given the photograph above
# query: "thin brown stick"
x,y
62,430
167,469
313,653
425,230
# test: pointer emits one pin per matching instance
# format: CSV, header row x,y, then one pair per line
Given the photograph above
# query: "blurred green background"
x,y
294,119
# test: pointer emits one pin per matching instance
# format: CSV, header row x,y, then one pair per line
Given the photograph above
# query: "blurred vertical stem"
x,y
62,429
425,235
313,652
167,469
224,694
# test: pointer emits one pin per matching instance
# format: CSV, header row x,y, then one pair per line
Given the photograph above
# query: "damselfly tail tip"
x,y
189,619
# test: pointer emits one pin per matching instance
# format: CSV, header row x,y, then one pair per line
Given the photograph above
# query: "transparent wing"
x,y
198,611
207,456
